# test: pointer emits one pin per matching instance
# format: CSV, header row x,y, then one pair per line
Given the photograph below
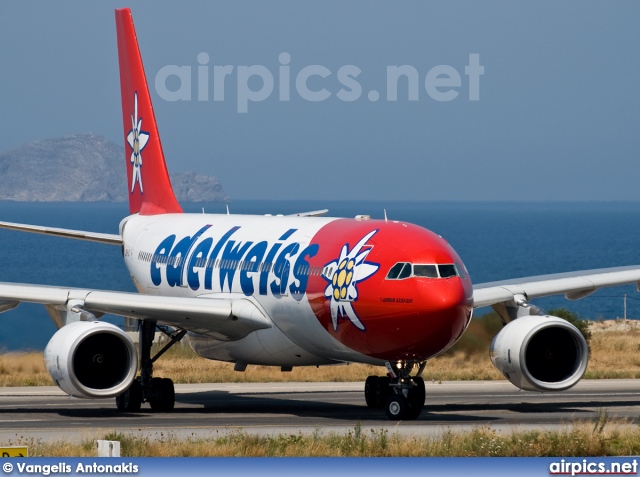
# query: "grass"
x,y
23,369
614,354
617,355
599,437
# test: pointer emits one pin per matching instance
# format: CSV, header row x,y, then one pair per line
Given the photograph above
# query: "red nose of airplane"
x,y
412,299
420,318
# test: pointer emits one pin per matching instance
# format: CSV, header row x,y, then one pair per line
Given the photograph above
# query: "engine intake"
x,y
91,359
540,353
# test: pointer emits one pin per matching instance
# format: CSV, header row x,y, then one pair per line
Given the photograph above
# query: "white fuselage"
x,y
259,258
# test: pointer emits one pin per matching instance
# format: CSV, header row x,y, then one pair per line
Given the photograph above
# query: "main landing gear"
x,y
401,395
158,392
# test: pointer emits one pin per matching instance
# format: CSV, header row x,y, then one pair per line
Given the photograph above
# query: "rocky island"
x,y
85,168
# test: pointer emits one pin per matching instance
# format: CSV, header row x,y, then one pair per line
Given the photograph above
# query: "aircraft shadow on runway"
x,y
330,405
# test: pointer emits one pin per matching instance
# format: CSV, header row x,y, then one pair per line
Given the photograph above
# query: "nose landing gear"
x,y
400,394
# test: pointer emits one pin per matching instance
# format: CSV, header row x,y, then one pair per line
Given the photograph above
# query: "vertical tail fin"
x,y
150,190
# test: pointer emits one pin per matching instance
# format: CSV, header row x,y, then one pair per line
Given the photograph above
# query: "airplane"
x,y
301,290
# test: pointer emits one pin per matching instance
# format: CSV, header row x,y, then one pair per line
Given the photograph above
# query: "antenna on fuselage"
x,y
385,216
228,209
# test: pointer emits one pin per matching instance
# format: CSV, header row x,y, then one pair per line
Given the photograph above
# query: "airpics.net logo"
x,y
313,83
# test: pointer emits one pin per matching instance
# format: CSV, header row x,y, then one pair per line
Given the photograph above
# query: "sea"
x,y
496,241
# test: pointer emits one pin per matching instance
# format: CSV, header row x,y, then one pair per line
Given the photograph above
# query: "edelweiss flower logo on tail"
x,y
137,139
343,276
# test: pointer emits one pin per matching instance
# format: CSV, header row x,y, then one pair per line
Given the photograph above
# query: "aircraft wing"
x,y
219,318
312,213
113,239
574,285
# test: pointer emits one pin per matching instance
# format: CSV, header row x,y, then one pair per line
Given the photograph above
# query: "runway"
x,y
289,408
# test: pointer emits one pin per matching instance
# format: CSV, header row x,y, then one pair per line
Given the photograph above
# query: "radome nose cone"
x,y
442,318
431,325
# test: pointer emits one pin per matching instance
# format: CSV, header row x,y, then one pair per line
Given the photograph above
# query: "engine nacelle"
x,y
540,353
91,359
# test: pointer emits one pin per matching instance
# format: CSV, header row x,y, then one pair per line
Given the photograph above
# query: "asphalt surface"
x,y
290,408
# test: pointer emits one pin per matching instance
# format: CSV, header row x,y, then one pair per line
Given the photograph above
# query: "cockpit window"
x,y
406,271
395,271
447,271
428,271
402,270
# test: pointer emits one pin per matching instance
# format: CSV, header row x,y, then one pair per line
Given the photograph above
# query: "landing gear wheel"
x,y
383,391
131,399
376,391
158,392
416,398
405,393
371,391
165,396
397,407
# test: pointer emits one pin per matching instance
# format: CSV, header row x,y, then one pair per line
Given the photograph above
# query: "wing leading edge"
x,y
219,318
112,239
574,285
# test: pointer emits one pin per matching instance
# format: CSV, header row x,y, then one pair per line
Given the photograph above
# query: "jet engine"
x,y
91,359
540,353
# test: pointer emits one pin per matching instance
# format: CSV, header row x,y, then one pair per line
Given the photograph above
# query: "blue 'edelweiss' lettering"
x,y
249,259
230,259
178,257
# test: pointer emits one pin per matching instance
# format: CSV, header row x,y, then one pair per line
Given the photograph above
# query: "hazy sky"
x,y
557,115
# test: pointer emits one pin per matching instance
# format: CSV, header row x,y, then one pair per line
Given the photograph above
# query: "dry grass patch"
x,y
615,354
23,369
597,438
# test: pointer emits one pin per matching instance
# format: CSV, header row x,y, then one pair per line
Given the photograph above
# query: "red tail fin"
x,y
150,190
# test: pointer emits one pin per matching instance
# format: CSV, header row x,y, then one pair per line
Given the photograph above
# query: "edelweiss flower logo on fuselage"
x,y
343,276
137,139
